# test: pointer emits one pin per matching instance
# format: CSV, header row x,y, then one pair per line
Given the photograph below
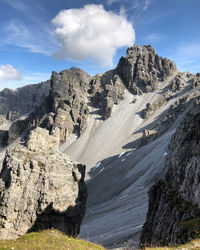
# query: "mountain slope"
x,y
119,124
174,204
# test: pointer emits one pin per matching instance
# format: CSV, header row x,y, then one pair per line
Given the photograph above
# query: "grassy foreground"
x,y
48,239
195,245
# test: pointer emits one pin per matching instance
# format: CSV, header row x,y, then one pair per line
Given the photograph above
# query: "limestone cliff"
x,y
142,69
74,94
15,103
174,202
40,188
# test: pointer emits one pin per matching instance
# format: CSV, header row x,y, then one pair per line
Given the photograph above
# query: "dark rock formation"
x,y
14,103
3,138
143,68
40,188
174,202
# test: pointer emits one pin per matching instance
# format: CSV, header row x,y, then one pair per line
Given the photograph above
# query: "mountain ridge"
x,y
119,125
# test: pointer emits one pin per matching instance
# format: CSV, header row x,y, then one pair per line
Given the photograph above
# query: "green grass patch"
x,y
46,240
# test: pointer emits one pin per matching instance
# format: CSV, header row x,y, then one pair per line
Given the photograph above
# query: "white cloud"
x,y
92,33
27,77
8,72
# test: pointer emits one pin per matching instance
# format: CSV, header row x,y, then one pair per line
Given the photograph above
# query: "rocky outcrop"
x,y
15,103
174,202
40,188
148,135
105,91
152,108
73,93
66,106
196,80
177,83
142,69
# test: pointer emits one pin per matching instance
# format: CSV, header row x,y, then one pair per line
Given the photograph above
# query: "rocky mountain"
x,y
119,124
74,94
40,188
174,201
15,103
142,69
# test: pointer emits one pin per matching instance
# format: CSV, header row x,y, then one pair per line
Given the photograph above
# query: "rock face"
x,y
40,188
66,106
14,103
74,93
143,68
174,202
3,138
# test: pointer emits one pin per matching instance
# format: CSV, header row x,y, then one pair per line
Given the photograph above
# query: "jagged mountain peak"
x,y
142,69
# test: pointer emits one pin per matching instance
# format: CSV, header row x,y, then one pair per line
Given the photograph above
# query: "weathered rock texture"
x,y
14,103
174,202
66,106
40,188
73,92
142,69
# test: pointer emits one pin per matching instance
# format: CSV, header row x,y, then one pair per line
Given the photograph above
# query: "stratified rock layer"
x,y
40,188
174,202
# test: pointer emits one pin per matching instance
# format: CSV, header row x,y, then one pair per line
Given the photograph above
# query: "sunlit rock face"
x,y
142,69
40,188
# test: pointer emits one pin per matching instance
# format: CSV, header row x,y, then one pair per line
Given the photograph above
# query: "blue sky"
x,y
37,37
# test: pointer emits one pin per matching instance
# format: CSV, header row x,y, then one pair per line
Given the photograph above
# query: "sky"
x,y
41,36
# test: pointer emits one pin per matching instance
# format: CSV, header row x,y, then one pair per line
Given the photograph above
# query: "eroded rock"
x,y
15,103
142,69
40,188
174,202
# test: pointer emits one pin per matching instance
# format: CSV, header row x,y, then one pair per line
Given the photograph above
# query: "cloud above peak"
x,y
92,33
8,72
